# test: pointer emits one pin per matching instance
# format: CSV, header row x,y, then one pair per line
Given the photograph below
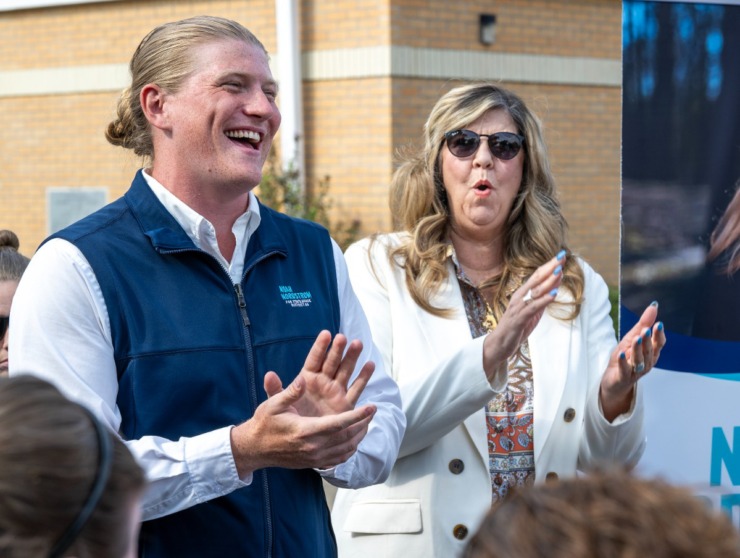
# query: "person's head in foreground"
x,y
12,266
68,486
604,515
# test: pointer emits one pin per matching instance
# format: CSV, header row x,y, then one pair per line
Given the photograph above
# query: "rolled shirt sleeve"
x,y
376,454
61,333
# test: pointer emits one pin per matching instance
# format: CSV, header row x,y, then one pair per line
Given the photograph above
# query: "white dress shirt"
x,y
61,332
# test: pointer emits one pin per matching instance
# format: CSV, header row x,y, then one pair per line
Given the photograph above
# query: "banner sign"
x,y
681,234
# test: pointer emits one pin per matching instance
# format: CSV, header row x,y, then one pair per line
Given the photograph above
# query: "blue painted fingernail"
x,y
660,326
649,332
622,356
654,303
558,270
560,255
553,293
639,340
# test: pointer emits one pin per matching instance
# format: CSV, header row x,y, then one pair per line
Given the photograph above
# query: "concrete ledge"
x,y
370,62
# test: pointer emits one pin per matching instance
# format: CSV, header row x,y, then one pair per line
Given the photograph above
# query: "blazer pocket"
x,y
384,517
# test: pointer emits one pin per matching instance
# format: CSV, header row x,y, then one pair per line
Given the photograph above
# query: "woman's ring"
x,y
528,297
638,368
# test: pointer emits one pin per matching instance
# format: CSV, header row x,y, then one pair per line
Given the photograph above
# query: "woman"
x,y
68,486
12,266
500,340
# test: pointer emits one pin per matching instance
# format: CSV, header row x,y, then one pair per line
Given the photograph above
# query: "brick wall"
x,y
348,124
564,27
344,23
57,140
353,125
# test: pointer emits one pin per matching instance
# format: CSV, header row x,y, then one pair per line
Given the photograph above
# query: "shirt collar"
x,y
202,232
452,255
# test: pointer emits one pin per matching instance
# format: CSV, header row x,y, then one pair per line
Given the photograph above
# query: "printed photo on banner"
x,y
681,234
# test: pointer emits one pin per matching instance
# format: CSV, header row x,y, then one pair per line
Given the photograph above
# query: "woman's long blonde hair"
x,y
536,228
725,240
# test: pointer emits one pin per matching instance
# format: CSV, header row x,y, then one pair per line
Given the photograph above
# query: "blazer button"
x,y
456,466
569,414
460,531
551,476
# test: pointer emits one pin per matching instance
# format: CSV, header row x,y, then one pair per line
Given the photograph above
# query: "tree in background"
x,y
281,190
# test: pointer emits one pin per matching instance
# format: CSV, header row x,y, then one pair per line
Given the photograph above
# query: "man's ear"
x,y
152,99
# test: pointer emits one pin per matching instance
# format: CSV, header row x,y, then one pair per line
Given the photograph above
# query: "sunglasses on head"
x,y
4,323
503,145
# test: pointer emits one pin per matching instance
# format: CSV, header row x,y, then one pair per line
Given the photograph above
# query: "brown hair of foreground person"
x,y
604,515
51,458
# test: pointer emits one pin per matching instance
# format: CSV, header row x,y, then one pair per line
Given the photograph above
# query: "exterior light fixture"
x,y
487,29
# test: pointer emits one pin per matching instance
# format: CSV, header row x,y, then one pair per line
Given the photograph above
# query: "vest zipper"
x,y
265,485
245,319
242,304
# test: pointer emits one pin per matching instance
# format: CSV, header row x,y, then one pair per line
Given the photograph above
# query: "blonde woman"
x,y
499,338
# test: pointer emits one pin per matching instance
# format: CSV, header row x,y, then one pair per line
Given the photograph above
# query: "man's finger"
x,y
273,384
288,396
349,362
358,386
333,358
315,358
343,421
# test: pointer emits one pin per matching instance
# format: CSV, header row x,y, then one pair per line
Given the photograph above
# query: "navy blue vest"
x,y
192,350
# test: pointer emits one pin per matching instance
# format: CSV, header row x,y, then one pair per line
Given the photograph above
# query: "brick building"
x,y
371,71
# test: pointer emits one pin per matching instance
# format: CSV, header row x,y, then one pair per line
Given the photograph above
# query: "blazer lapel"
x,y
455,332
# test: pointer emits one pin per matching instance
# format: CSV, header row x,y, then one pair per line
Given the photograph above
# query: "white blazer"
x,y
440,487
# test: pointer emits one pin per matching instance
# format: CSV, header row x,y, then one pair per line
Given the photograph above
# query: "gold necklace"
x,y
489,322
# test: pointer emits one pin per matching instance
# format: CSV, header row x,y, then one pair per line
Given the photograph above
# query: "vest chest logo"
x,y
295,299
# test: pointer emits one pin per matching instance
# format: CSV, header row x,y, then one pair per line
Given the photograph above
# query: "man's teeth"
x,y
243,134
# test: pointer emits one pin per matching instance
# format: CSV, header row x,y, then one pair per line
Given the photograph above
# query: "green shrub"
x,y
281,190
614,299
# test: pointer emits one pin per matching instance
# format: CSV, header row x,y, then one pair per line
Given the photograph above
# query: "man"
x,y
164,311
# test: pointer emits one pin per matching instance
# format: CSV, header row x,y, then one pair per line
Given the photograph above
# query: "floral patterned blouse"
x,y
509,414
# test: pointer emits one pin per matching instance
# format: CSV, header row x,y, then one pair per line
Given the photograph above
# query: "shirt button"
x,y
460,531
498,480
456,466
551,476
569,414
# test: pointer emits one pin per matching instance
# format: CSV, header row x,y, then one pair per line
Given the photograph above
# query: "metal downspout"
x,y
291,94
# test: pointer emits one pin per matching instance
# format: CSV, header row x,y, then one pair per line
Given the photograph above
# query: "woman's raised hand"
x,y
523,314
635,356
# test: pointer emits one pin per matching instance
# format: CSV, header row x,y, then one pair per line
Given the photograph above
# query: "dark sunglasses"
x,y
4,323
503,145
